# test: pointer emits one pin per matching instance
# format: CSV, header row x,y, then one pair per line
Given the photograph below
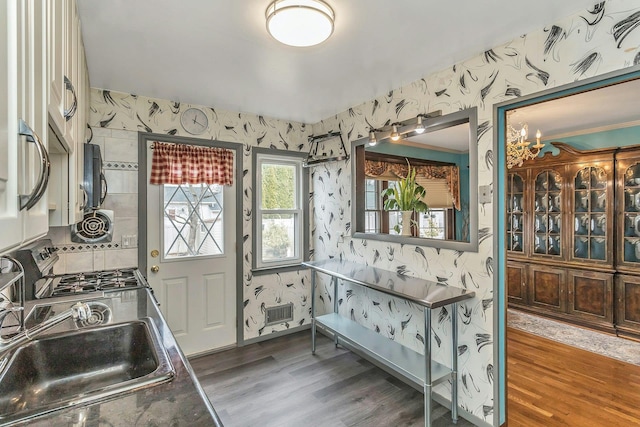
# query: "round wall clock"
x,y
194,121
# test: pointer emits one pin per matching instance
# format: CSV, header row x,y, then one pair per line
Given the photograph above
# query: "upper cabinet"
x,y
628,210
573,227
68,111
36,39
560,209
24,164
58,47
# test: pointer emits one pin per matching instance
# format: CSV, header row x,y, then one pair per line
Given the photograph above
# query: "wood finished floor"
x,y
279,383
552,384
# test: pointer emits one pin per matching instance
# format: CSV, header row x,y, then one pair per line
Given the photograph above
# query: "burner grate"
x,y
68,284
76,288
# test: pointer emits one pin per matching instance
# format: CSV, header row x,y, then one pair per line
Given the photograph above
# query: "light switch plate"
x,y
484,194
129,241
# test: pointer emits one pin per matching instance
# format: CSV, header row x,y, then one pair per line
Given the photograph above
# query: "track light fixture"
x,y
372,138
395,136
419,126
394,132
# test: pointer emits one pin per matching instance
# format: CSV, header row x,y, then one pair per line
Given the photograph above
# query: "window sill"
x,y
279,269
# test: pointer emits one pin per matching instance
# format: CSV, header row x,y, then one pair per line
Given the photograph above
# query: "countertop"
x,y
179,402
423,292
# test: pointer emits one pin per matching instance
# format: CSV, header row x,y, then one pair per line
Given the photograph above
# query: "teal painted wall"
x,y
611,138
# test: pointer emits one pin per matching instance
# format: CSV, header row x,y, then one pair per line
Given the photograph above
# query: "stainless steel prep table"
x,y
415,367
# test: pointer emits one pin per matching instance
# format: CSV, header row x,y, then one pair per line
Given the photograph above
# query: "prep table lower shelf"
x,y
402,360
398,359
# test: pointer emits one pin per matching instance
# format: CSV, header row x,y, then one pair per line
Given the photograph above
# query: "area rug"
x,y
596,342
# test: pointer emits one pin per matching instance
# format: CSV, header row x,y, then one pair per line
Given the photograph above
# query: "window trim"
x,y
259,155
377,209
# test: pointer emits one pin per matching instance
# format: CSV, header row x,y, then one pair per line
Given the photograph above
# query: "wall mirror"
x,y
444,152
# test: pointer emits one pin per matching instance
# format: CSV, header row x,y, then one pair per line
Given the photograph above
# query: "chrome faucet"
x,y
78,311
14,310
9,307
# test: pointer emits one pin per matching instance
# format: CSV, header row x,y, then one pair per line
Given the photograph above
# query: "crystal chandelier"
x,y
518,148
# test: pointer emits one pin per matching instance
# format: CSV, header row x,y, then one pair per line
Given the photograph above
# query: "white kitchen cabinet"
x,y
23,122
56,28
68,111
10,218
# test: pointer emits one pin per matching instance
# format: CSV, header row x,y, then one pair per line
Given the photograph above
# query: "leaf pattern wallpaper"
x,y
128,112
592,42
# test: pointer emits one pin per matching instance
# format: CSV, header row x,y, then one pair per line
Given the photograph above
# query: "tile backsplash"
x,y
120,163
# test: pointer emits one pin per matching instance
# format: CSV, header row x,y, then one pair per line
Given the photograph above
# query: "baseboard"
x,y
208,352
474,419
275,335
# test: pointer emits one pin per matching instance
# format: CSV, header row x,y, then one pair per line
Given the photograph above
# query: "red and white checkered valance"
x,y
191,164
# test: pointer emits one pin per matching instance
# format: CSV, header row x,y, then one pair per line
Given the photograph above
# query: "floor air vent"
x,y
279,314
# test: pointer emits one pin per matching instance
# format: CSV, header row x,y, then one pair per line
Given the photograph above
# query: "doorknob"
x,y
155,268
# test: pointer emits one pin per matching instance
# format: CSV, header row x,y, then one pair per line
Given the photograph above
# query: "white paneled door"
x,y
191,261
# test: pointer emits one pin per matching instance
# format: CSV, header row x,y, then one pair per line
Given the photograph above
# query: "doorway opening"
x,y
563,246
189,235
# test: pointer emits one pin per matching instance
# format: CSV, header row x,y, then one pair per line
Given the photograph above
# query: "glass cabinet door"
x,y
590,214
547,215
631,214
515,213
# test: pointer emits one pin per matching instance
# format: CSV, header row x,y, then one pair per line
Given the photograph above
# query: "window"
x,y
281,207
438,223
433,224
373,206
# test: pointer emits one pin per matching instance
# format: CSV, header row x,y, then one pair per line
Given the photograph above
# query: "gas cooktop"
x,y
38,260
66,284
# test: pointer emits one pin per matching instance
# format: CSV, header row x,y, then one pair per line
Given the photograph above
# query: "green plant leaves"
x,y
406,195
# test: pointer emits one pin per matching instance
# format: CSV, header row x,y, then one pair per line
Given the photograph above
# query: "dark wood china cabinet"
x,y
573,237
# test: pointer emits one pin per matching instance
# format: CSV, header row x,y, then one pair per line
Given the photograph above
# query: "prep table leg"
x,y
427,359
454,363
335,302
313,312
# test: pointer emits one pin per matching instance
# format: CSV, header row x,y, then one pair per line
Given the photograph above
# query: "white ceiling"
x,y
217,52
601,109
454,139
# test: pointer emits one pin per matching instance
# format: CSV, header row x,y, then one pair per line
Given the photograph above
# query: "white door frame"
x,y
143,139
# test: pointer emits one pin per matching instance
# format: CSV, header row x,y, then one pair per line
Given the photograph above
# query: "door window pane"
x,y
193,220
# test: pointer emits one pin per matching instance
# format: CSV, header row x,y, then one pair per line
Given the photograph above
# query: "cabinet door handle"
x,y
105,188
85,198
68,114
90,133
30,200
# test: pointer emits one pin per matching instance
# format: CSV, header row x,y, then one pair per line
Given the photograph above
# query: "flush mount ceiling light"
x,y
300,23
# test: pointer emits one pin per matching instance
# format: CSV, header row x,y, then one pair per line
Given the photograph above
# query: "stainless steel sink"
x,y
72,368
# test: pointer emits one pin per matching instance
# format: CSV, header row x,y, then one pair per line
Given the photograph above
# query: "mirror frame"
x,y
431,124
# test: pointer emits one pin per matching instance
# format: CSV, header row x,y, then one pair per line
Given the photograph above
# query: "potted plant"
x,y
406,196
